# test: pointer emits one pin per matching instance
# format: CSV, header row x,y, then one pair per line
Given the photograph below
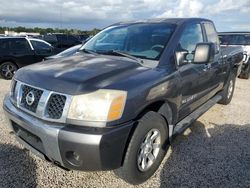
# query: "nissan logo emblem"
x,y
30,98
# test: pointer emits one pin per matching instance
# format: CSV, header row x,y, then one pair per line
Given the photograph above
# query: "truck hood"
x,y
78,74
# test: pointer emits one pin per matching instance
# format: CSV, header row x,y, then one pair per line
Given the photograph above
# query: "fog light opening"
x,y
74,158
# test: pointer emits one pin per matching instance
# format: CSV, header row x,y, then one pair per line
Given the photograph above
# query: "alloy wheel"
x,y
8,70
149,150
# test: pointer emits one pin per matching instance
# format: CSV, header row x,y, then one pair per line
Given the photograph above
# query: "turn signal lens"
x,y
116,109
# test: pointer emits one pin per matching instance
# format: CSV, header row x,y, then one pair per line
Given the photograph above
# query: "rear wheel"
x,y
146,149
7,70
228,91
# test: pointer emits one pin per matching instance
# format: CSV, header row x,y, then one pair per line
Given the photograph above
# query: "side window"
x,y
19,45
50,39
191,35
212,35
229,39
4,45
225,39
62,38
247,39
63,41
37,45
73,39
240,40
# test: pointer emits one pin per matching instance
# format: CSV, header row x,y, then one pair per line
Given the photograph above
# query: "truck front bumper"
x,y
77,148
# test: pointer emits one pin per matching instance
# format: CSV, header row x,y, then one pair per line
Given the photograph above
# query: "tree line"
x,y
43,31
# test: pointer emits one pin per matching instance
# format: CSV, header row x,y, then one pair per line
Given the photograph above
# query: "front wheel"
x,y
228,91
7,70
146,149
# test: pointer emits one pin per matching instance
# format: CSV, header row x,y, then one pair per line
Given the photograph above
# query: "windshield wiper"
x,y
115,52
88,51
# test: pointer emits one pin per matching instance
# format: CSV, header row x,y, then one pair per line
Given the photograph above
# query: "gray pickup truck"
x,y
120,101
238,39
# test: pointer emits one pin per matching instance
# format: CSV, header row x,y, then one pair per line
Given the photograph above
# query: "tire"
x,y
228,91
134,171
7,70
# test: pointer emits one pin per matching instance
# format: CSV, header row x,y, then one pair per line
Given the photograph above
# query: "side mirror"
x,y
204,53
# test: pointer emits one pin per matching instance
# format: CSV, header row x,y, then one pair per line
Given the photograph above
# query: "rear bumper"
x,y
71,147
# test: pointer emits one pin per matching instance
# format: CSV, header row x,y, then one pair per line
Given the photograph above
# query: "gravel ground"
x,y
214,152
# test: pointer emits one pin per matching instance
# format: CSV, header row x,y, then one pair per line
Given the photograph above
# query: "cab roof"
x,y
176,21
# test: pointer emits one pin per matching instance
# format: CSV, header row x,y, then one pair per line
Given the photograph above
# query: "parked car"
x,y
235,54
83,38
119,103
16,52
38,37
238,39
66,53
87,39
61,41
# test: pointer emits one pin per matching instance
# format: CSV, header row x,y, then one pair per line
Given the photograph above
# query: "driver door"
x,y
195,78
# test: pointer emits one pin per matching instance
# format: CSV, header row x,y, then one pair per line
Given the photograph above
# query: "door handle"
x,y
206,67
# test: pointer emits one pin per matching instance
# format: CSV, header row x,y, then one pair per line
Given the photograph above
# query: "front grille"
x,y
37,95
55,106
41,103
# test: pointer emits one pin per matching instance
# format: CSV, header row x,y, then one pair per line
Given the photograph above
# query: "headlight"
x,y
102,105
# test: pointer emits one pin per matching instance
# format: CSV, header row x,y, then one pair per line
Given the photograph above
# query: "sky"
x,y
228,15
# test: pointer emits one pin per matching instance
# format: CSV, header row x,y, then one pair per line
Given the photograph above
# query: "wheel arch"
x,y
9,60
165,109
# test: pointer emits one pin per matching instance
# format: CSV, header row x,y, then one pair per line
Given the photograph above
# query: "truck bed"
x,y
235,53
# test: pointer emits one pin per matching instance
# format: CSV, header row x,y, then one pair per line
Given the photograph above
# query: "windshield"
x,y
146,41
235,39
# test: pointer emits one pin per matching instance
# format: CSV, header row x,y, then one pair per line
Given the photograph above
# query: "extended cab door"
x,y
195,78
218,68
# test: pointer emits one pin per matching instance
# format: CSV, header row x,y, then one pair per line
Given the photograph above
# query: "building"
x,y
13,33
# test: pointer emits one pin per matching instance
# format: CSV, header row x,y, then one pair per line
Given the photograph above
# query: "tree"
x,y
43,31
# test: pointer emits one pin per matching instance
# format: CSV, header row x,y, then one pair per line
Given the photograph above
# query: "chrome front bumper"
x,y
98,149
46,132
